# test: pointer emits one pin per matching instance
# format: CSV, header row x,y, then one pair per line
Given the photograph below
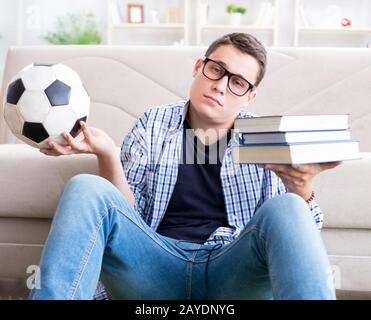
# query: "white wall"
x,y
37,17
8,30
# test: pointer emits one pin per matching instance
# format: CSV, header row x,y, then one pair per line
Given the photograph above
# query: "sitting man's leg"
x,y
95,232
279,254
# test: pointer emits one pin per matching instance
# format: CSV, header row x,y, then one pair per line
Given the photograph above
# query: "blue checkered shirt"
x,y
150,155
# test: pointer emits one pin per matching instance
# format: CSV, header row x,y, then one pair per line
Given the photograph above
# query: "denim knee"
x,y
84,187
83,180
83,183
90,187
286,208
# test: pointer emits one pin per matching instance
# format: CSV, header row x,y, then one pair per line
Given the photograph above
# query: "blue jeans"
x,y
96,235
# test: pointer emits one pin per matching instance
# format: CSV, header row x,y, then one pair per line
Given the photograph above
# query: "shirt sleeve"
x,y
274,186
134,159
317,214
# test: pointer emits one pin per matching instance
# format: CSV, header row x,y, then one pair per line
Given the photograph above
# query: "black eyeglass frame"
x,y
229,75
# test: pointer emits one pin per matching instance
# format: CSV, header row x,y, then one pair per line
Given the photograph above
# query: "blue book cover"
x,y
293,137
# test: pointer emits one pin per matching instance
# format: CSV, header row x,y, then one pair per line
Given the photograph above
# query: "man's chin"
x,y
212,117
208,108
209,113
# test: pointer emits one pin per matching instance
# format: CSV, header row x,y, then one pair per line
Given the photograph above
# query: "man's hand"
x,y
299,178
89,140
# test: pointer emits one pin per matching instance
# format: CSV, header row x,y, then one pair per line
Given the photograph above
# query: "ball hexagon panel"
x,y
15,91
58,93
80,101
59,120
66,75
38,78
34,106
13,118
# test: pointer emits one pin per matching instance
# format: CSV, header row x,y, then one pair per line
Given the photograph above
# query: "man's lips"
x,y
214,99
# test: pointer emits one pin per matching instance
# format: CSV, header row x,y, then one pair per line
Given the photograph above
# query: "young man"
x,y
169,228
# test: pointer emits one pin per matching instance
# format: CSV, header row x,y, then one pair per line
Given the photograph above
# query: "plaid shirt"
x,y
150,155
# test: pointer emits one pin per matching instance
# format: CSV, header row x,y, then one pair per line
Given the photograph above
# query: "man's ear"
x,y
197,66
251,96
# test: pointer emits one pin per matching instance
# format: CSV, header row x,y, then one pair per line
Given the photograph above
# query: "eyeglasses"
x,y
236,84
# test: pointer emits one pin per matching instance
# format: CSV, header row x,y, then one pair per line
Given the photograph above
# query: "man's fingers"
x,y
49,152
278,168
330,165
58,148
317,168
55,149
75,145
288,172
303,168
86,130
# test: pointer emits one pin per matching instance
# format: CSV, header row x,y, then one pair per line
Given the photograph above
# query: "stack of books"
x,y
294,139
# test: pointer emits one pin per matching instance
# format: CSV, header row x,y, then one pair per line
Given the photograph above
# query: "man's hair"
x,y
246,43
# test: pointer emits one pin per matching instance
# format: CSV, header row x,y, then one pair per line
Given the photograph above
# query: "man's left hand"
x,y
299,178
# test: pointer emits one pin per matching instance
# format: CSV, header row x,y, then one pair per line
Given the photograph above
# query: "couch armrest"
x,y
343,194
32,182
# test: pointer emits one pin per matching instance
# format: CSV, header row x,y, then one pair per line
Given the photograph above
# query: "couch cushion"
x,y
20,230
354,272
17,257
32,190
343,194
347,242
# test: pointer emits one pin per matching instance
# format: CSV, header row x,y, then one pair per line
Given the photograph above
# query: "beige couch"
x,y
124,81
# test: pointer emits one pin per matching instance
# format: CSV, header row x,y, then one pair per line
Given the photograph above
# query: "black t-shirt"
x,y
196,208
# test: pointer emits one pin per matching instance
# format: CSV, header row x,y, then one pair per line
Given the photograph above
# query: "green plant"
x,y
235,9
75,29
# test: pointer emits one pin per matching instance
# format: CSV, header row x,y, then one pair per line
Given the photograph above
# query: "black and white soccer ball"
x,y
42,101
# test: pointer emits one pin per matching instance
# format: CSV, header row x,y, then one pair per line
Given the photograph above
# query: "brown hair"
x,y
246,43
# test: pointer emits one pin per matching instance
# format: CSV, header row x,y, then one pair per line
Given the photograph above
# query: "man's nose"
x,y
221,84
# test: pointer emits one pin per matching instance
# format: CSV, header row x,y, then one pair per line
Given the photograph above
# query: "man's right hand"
x,y
89,140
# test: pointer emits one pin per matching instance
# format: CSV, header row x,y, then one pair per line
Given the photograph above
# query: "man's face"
x,y
212,101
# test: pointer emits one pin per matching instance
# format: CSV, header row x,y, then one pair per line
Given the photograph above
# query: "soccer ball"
x,y
42,101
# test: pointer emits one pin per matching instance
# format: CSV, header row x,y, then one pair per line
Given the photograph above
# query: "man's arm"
x,y
111,169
